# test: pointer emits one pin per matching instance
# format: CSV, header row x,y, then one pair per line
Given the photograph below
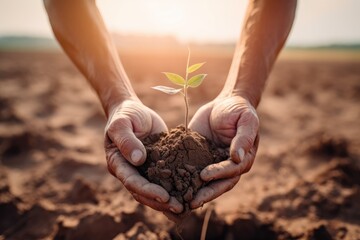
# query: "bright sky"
x,y
317,22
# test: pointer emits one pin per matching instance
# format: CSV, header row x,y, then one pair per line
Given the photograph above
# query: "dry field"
x,y
305,183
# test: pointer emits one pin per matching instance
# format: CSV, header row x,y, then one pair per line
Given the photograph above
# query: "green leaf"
x,y
175,78
196,80
195,67
167,90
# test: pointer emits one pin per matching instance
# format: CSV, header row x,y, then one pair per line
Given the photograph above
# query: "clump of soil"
x,y
175,160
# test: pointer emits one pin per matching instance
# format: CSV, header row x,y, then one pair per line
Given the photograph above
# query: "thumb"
x,y
122,135
247,129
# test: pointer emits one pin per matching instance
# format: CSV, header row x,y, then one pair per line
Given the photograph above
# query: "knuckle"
x,y
250,117
247,141
123,142
110,151
111,161
243,141
132,183
208,172
127,182
110,157
116,125
212,170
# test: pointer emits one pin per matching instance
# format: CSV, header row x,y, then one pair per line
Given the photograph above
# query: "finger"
x,y
247,130
212,191
228,168
132,180
173,217
171,206
121,133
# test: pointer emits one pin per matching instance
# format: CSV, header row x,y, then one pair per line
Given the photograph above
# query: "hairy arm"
x,y
230,120
78,26
80,30
266,28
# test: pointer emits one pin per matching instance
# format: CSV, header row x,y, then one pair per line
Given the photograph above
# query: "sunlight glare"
x,y
165,15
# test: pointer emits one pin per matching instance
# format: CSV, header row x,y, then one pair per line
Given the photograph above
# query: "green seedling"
x,y
185,83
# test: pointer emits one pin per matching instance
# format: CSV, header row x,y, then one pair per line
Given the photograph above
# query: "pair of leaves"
x,y
193,82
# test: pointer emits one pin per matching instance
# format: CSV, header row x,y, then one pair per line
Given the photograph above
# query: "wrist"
x,y
114,97
250,92
247,77
112,86
113,91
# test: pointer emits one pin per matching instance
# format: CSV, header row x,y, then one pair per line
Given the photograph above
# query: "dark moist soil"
x,y
175,160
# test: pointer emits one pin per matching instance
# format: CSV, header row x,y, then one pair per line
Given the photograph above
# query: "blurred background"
x,y
304,183
320,23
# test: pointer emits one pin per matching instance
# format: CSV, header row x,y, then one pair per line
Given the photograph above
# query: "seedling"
x,y
185,83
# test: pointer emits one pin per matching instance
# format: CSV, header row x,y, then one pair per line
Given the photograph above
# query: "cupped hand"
x,y
127,124
230,122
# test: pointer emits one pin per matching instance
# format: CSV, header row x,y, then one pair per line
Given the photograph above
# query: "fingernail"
x,y
201,204
158,200
173,210
136,155
241,154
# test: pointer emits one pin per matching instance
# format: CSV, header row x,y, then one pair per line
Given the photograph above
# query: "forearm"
x,y
79,28
267,25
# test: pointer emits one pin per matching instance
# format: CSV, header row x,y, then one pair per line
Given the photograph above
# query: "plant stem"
x,y
186,109
185,93
187,67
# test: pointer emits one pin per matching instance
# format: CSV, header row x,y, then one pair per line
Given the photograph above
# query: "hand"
x,y
128,123
228,122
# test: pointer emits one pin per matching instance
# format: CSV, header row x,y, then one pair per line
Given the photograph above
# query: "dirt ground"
x,y
305,183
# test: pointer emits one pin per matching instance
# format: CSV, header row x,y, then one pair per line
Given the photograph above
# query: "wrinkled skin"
x,y
230,122
128,123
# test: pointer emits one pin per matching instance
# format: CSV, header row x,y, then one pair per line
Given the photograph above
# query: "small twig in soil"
x,y
206,221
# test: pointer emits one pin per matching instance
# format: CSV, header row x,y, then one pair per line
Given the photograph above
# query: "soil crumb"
x,y
175,160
